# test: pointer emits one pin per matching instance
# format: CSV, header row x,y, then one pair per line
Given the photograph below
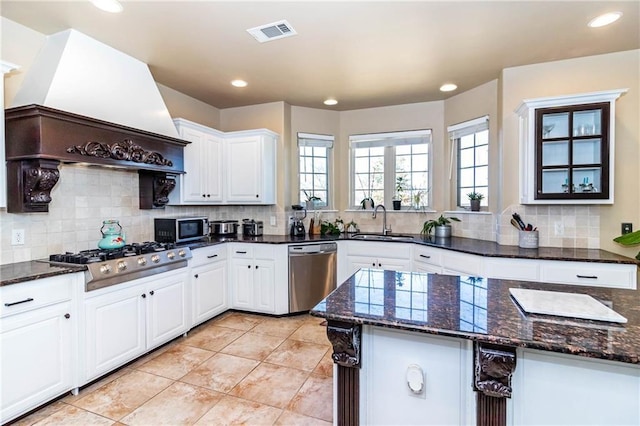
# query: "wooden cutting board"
x,y
562,304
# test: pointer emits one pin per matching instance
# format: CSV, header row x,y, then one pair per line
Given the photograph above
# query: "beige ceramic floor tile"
x,y
221,372
179,404
297,354
311,331
42,413
315,399
325,366
289,418
239,321
270,384
236,411
154,353
96,385
277,326
253,345
70,415
176,362
123,395
212,338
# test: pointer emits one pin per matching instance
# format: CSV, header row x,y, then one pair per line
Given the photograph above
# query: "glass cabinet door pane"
x,y
555,181
555,125
555,153
586,151
587,123
587,180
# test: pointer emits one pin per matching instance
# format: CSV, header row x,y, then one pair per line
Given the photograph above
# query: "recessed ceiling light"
x,y
239,83
330,102
449,87
606,19
112,6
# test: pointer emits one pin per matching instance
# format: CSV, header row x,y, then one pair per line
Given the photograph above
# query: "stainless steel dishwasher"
x,y
312,274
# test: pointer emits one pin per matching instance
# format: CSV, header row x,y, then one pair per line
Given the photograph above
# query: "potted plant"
x,y
311,201
367,203
401,183
630,239
474,199
441,226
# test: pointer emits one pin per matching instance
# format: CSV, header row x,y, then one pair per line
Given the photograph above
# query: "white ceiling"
x,y
363,53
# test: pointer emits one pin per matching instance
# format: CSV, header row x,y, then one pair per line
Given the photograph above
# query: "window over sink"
x,y
313,172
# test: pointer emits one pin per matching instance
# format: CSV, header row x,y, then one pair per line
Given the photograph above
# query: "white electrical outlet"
x,y
558,229
17,237
272,221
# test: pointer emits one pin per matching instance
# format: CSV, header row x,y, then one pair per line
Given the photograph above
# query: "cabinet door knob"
x,y
249,266
204,195
144,296
152,292
257,196
379,264
256,266
67,316
208,195
373,264
195,276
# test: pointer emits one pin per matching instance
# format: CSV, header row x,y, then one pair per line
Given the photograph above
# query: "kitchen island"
x,y
415,348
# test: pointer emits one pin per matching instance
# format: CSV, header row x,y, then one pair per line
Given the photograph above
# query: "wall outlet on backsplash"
x,y
17,237
558,229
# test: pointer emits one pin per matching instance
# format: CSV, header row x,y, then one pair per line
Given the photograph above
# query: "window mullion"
x,y
389,174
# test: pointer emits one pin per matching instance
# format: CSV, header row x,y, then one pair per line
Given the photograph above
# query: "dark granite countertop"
x,y
14,273
482,310
458,244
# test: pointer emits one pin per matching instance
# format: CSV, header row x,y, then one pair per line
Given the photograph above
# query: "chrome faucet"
x,y
385,230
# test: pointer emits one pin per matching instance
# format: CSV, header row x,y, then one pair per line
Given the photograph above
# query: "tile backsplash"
x,y
85,196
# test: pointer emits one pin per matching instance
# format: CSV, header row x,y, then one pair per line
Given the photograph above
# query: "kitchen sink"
x,y
382,237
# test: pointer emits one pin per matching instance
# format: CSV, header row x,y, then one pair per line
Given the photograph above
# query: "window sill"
x,y
391,211
323,211
482,212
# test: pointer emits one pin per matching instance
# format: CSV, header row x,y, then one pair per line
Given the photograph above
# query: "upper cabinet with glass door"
x,y
567,145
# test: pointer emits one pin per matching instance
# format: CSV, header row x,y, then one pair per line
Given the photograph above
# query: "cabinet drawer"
x,y
205,255
512,269
241,251
590,274
35,294
464,263
428,255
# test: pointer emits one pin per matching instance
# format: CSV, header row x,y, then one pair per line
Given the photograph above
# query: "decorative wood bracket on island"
x,y
493,368
346,341
39,138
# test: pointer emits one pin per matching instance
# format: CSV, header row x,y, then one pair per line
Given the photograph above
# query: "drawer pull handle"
x,y
195,276
212,256
67,316
144,296
425,256
19,302
592,277
241,252
152,292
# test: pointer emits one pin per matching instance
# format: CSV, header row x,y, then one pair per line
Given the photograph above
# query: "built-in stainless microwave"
x,y
180,229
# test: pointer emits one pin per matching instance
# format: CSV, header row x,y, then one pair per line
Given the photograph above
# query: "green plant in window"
x,y
475,196
401,185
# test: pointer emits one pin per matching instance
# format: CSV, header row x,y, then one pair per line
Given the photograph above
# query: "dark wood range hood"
x,y
39,138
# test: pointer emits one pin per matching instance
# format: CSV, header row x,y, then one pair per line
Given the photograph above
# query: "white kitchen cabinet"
x,y
377,255
552,388
203,162
124,321
567,145
226,168
37,342
446,397
454,263
258,278
589,273
251,167
427,259
209,283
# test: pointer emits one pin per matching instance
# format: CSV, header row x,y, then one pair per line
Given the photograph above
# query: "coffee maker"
x,y
296,221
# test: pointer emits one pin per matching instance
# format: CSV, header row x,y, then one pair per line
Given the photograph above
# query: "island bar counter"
x,y
414,348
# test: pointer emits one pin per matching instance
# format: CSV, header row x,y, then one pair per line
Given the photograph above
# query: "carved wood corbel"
x,y
493,368
346,341
29,185
155,188
345,338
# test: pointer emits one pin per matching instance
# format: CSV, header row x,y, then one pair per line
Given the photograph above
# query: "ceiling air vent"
x,y
272,31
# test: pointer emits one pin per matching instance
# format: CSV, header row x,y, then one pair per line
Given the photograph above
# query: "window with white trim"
x,y
313,171
470,141
379,159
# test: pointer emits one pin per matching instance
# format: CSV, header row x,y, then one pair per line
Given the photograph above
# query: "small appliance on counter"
x,y
252,228
223,227
112,237
180,229
296,221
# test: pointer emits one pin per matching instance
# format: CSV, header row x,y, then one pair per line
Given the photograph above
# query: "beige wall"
x,y
589,74
183,106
